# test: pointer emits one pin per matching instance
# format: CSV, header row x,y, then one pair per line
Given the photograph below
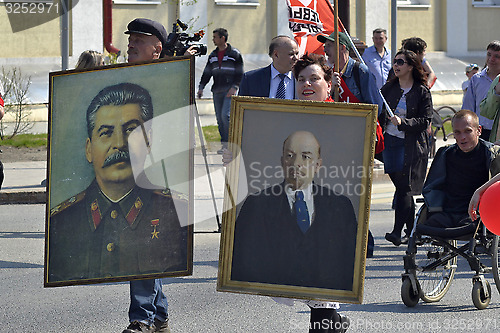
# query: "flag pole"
x,y
336,96
387,107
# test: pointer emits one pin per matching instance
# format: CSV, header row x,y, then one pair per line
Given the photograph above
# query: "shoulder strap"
x,y
355,73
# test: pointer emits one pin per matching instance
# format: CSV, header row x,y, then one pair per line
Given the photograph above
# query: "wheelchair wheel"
x,y
478,297
409,296
495,261
434,283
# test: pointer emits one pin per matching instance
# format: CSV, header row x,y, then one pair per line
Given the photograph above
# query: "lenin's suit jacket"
x,y
269,247
258,82
91,237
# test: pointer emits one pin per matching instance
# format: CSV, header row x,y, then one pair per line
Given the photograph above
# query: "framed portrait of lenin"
x,y
297,199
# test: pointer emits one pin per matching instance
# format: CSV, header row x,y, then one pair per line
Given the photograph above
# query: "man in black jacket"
x,y
225,65
457,171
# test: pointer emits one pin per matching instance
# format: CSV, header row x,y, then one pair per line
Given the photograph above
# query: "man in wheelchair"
x,y
456,172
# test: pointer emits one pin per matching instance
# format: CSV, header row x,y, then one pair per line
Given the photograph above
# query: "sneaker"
x,y
162,326
139,327
220,151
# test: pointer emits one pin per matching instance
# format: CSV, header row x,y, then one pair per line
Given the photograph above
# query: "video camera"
x,y
178,43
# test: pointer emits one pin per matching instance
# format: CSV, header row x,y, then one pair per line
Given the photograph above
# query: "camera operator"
x,y
225,64
178,43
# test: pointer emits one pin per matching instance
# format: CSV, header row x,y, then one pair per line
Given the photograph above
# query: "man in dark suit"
x,y
275,80
296,233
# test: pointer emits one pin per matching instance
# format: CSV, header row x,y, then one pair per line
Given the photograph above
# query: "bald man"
x,y
296,232
264,82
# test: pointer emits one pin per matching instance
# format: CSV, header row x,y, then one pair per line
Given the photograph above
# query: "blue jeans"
x,y
222,106
147,301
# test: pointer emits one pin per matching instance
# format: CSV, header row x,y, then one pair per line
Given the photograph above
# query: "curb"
x,y
23,197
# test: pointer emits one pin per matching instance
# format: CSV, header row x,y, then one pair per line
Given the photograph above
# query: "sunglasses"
x,y
400,62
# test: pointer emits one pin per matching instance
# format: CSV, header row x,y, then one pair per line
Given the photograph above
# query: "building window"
x,y
237,2
414,3
485,3
137,2
27,1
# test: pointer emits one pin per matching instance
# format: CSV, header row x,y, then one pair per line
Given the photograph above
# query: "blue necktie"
x,y
301,211
280,92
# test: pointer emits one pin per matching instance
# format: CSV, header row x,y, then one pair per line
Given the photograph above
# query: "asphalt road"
x,y
195,305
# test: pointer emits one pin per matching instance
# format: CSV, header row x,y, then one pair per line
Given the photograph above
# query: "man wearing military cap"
x,y
147,39
115,228
138,208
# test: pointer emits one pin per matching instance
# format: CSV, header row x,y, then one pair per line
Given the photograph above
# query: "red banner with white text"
x,y
307,19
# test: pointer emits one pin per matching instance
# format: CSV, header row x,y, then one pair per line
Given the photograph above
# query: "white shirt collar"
x,y
307,191
275,73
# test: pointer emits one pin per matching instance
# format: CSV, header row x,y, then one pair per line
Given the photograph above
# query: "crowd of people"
x,y
404,81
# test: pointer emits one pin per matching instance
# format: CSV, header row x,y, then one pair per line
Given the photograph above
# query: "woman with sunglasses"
x,y
405,138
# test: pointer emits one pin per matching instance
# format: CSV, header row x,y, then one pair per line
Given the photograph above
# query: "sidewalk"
x,y
22,183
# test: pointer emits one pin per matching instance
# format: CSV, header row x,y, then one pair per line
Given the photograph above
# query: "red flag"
x,y
307,19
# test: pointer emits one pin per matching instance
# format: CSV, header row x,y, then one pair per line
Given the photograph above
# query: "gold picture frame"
x,y
258,252
120,170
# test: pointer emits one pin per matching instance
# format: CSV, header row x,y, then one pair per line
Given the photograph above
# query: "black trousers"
x,y
1,174
447,220
324,320
405,206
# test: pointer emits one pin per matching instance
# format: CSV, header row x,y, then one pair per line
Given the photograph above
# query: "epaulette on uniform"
x,y
167,193
68,203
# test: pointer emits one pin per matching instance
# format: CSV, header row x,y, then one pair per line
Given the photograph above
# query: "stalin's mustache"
x,y
119,156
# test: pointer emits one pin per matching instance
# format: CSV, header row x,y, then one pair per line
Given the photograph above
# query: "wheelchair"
x,y
431,260
437,125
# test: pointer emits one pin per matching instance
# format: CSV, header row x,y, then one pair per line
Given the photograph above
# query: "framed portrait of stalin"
x,y
119,168
297,199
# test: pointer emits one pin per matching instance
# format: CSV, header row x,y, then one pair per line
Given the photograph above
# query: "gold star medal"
x,y
155,233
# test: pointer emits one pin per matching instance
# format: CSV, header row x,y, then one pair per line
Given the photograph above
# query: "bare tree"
x,y
16,86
